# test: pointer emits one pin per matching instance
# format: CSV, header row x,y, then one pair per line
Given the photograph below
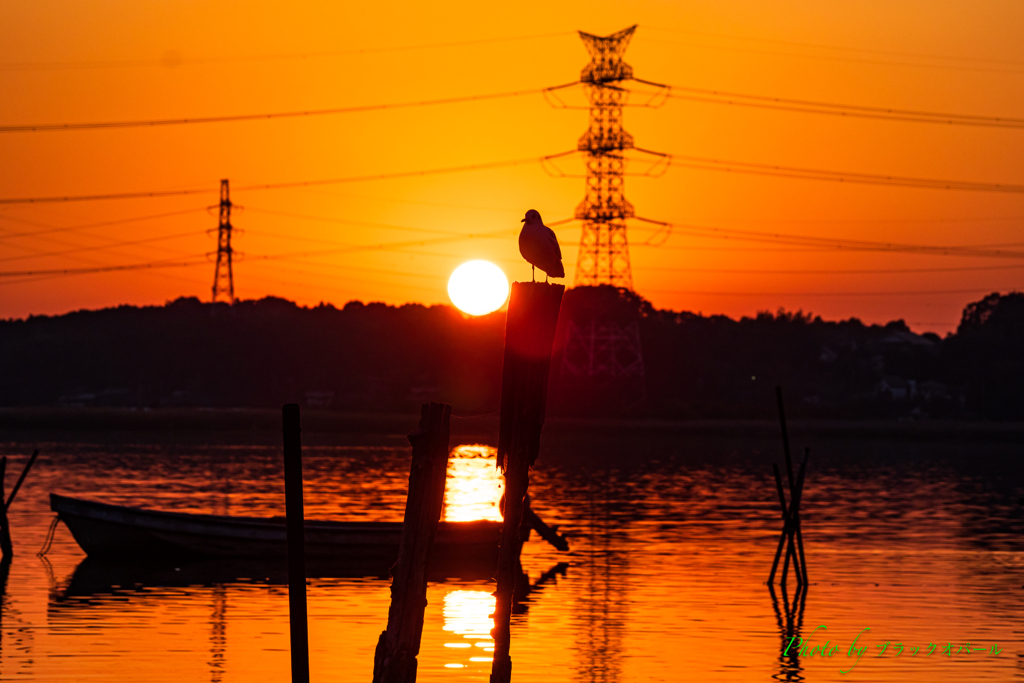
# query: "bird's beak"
x,y
523,221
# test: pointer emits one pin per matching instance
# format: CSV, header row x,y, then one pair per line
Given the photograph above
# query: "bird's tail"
x,y
558,270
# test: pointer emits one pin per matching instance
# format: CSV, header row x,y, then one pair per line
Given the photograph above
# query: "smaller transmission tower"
x,y
223,278
604,250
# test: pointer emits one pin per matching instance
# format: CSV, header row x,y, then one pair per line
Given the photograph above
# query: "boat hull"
x,y
104,530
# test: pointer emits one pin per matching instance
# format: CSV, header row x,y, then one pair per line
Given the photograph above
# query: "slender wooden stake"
x,y
792,526
24,473
799,533
529,335
395,658
792,535
789,529
5,526
785,519
295,526
785,440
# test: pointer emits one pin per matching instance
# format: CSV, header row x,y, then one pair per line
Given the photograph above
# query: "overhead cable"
x,y
275,186
152,123
709,164
105,269
173,60
835,109
51,228
980,251
840,48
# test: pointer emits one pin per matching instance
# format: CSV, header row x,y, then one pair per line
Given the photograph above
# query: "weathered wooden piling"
x,y
529,336
295,527
399,645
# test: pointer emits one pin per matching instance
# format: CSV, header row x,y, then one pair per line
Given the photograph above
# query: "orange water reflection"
x,y
467,613
474,485
666,579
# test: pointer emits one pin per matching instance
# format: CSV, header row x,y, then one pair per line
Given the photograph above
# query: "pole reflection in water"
x,y
218,633
474,485
5,569
601,615
790,629
467,613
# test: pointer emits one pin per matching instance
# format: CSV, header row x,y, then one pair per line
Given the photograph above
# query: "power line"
x,y
387,246
344,248
836,47
97,197
276,186
255,117
341,276
152,123
927,292
101,247
830,271
171,60
51,229
980,251
104,269
834,109
835,58
342,221
401,174
709,164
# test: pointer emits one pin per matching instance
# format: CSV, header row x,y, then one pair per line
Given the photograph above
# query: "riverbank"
x,y
200,423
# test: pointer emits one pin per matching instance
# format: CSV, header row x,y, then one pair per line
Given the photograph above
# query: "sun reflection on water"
x,y
474,485
467,613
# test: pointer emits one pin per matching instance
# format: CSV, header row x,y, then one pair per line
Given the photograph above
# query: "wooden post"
x,y
398,646
785,442
529,335
785,521
295,526
799,533
24,473
794,541
5,525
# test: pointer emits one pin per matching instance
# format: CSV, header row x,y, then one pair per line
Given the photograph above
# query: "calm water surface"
x,y
923,544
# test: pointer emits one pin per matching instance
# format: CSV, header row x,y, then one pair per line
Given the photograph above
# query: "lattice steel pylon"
x,y
604,249
223,277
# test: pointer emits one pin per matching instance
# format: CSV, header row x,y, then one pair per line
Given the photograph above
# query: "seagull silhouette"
x,y
539,246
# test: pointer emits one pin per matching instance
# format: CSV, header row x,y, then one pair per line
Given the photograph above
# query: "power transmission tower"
x,y
603,350
223,278
604,250
602,360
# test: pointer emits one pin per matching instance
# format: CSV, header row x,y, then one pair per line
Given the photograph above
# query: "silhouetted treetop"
x,y
372,356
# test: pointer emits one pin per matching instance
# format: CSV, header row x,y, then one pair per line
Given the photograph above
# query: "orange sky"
x,y
111,61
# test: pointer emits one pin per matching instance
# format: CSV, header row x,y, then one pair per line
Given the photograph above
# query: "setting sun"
x,y
478,287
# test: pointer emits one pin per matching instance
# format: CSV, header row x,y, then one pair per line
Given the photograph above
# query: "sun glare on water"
x,y
478,287
474,484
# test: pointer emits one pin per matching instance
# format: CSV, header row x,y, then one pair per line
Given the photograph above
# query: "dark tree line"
x,y
375,357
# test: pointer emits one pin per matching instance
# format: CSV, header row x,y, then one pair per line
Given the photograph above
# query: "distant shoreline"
x,y
197,421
